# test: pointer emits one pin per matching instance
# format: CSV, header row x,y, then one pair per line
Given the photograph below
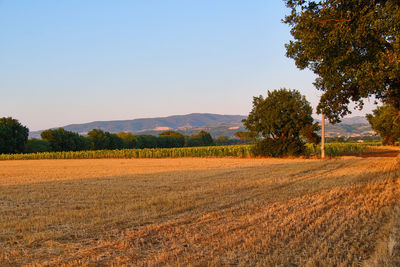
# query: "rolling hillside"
x,y
182,123
216,124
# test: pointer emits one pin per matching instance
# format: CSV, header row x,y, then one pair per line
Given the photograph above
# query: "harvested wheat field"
x,y
200,212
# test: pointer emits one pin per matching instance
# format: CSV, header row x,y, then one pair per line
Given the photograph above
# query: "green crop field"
x,y
332,149
340,149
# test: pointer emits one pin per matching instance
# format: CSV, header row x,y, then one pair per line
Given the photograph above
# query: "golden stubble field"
x,y
200,212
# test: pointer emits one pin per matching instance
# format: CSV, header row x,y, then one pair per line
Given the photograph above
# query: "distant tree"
x,y
222,140
353,48
280,123
383,122
130,140
192,141
245,137
147,141
170,133
62,140
13,136
35,145
115,142
105,140
205,138
99,139
171,139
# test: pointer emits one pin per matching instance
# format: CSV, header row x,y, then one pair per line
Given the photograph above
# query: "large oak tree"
x,y
280,123
354,48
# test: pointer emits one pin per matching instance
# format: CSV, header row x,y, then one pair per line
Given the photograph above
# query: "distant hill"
x,y
347,130
355,120
215,124
351,126
155,125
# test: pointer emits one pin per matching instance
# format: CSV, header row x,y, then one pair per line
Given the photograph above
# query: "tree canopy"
x,y
243,136
171,139
105,140
354,48
205,138
280,122
14,139
171,133
222,140
62,140
35,145
13,136
383,122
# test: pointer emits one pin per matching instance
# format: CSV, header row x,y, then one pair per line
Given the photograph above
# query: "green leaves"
x,y
280,122
62,140
353,46
13,136
385,120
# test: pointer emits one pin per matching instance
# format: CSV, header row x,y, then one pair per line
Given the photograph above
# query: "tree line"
x,y
97,139
279,125
14,139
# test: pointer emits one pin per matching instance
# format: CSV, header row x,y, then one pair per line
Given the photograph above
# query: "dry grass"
x,y
202,212
38,171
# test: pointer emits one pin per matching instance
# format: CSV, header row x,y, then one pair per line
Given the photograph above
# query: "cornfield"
x,y
338,149
332,149
208,151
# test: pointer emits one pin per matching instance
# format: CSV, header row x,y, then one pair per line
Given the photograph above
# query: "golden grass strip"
x,y
307,212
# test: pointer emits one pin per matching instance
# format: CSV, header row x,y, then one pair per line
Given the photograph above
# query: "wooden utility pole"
x,y
323,137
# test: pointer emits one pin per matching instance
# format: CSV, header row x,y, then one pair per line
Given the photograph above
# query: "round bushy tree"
x,y
13,136
383,121
206,138
281,123
62,140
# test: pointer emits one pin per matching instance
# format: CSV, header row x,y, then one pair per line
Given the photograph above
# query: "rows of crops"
x,y
208,151
338,149
332,149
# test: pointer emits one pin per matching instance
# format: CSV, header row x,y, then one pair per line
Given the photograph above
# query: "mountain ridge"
x,y
173,122
216,124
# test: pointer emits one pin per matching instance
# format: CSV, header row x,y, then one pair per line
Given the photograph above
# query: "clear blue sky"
x,y
73,61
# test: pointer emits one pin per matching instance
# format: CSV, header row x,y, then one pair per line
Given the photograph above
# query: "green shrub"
x,y
277,148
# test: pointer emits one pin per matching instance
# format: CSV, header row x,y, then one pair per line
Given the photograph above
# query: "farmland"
x,y
200,211
332,149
